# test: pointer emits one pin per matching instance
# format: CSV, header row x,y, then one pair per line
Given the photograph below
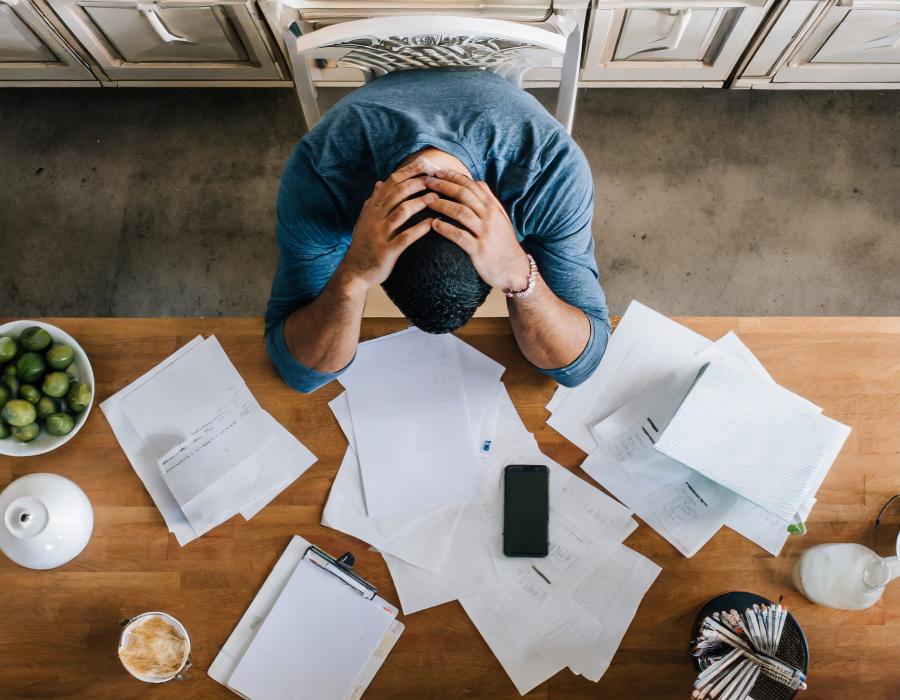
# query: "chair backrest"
x,y
381,45
386,44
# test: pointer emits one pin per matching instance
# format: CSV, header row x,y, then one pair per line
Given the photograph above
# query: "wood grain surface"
x,y
58,629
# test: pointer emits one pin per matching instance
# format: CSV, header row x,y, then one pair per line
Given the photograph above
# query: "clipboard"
x,y
342,568
298,551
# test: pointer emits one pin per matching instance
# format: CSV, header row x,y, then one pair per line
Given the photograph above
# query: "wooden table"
x,y
58,628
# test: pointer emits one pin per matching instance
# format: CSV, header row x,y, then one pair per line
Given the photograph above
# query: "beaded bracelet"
x,y
532,281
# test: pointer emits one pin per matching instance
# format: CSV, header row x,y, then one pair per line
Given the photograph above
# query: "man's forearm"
x,y
323,335
550,332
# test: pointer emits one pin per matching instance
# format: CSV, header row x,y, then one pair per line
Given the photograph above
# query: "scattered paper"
x,y
524,607
645,347
199,441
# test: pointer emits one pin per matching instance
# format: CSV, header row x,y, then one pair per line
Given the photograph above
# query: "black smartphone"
x,y
526,510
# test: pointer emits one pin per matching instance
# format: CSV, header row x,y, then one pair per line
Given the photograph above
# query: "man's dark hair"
x,y
434,282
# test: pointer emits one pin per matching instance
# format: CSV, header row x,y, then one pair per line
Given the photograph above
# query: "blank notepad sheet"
x,y
761,442
314,641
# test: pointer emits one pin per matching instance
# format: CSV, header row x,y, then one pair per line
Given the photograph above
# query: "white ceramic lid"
x,y
46,521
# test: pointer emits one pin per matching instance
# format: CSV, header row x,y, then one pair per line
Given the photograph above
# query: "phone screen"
x,y
525,510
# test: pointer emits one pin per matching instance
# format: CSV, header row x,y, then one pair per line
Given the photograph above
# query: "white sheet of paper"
x,y
297,458
420,537
200,418
751,438
261,478
645,347
557,398
691,511
481,376
142,459
413,438
232,455
527,665
534,633
314,642
611,596
467,569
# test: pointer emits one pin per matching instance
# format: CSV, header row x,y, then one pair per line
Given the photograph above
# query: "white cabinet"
x,y
689,43
31,51
174,40
828,44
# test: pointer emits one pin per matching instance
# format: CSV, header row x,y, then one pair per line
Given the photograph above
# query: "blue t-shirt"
x,y
501,133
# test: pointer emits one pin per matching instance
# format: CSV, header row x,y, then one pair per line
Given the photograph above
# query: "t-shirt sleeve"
x,y
310,248
560,239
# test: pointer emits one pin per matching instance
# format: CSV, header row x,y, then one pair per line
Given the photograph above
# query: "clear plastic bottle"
x,y
844,576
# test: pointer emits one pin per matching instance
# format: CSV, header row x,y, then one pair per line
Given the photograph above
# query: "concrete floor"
x,y
160,202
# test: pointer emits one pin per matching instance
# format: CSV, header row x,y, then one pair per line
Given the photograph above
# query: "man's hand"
x,y
490,239
376,245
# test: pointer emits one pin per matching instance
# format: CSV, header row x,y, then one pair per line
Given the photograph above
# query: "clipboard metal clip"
x,y
342,568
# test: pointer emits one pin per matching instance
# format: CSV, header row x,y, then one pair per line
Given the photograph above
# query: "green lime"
x,y
60,356
30,367
60,424
5,432
26,433
78,398
35,338
5,394
8,349
18,413
10,370
56,384
45,407
30,393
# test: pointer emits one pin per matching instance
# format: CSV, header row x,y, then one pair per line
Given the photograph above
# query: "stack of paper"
x,y
417,416
537,615
199,441
758,441
620,414
306,635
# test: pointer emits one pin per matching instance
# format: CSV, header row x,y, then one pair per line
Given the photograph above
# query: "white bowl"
x,y
46,442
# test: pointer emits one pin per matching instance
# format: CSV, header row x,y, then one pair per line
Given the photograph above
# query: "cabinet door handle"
x,y
149,11
672,39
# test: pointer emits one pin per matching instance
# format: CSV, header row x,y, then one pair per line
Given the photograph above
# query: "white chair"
x,y
381,45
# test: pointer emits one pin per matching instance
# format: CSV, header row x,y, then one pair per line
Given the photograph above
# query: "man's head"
x,y
434,282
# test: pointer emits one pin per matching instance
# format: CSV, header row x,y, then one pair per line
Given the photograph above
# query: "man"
x,y
437,185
